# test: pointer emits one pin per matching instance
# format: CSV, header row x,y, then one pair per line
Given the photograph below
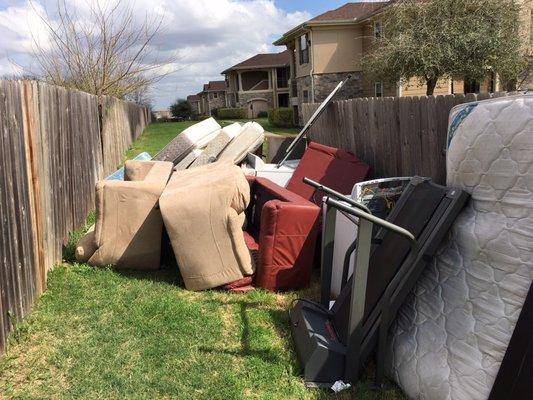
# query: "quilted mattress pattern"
x,y
188,160
215,146
247,141
452,333
195,136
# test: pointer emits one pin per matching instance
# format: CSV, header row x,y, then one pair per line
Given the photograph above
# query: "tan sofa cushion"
x,y
128,226
86,246
203,211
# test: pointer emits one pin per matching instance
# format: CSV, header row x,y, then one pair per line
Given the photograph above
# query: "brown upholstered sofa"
x,y
129,226
203,210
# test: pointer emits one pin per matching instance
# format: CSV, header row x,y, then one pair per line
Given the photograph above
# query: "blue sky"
x,y
203,37
313,7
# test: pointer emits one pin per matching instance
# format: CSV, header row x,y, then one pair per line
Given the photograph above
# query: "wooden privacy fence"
x,y
396,136
55,144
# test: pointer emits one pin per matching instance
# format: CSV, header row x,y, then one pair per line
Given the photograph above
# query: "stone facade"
x,y
245,97
194,106
303,85
218,102
194,103
324,84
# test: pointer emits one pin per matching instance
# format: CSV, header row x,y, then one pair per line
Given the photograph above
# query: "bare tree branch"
x,y
105,52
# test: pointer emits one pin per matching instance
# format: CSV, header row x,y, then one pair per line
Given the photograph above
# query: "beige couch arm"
x,y
128,224
136,170
86,246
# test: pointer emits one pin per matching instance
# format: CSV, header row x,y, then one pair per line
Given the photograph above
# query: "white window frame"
x,y
378,29
304,39
378,88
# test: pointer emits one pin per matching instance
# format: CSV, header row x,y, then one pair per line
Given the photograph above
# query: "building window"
x,y
282,77
378,89
215,95
304,49
471,86
378,32
305,96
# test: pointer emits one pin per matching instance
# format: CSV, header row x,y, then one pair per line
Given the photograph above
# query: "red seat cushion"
x,y
332,167
240,286
250,241
246,284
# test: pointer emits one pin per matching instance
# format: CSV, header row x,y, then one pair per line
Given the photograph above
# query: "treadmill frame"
x,y
362,332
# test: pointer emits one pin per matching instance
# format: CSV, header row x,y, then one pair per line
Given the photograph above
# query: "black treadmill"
x,y
333,343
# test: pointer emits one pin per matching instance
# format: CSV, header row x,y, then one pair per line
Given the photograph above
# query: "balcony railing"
x,y
261,85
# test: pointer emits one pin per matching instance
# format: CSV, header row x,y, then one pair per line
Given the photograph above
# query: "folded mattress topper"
x,y
452,333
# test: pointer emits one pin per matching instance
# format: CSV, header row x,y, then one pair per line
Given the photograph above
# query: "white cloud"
x,y
205,36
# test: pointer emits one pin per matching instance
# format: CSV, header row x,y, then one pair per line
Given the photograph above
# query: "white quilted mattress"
x,y
451,335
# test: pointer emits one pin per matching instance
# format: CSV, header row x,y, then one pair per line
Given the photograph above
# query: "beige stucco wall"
x,y
333,50
414,87
337,49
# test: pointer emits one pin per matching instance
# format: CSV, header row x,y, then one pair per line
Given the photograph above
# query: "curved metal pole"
x,y
334,193
369,217
311,121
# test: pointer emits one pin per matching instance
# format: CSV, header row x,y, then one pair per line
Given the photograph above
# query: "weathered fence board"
x,y
396,136
54,147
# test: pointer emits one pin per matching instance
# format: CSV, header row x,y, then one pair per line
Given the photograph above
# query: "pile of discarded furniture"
x,y
433,280
226,228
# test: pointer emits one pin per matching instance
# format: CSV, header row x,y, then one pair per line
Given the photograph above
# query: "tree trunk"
x,y
431,84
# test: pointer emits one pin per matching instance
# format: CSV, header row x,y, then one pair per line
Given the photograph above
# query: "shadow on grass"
x,y
278,318
246,350
364,388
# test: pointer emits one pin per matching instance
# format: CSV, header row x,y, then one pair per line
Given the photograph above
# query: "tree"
x,y
104,50
142,97
181,109
432,39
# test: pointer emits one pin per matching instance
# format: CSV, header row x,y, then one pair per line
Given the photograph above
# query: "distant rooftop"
x,y
215,86
263,61
350,11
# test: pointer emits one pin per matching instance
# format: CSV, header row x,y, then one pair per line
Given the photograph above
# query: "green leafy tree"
x,y
432,39
181,109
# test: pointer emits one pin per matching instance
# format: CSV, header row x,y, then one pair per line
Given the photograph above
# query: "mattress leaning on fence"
x,y
451,335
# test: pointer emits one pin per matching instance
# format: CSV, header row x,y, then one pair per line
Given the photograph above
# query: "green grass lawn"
x,y
156,136
100,333
265,124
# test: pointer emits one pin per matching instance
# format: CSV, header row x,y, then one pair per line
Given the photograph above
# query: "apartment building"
x,y
259,83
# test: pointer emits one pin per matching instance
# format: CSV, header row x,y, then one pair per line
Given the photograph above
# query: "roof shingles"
x,y
262,61
215,86
350,11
